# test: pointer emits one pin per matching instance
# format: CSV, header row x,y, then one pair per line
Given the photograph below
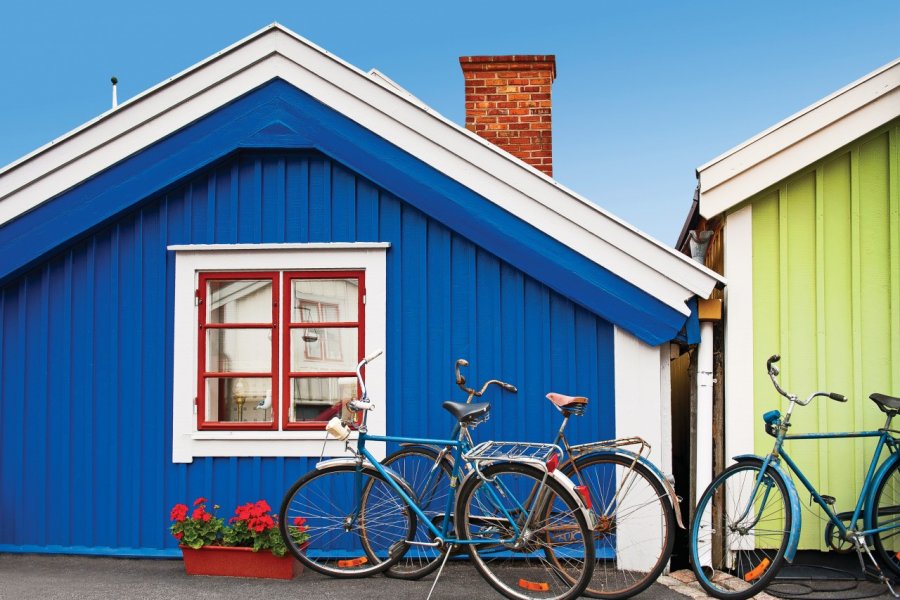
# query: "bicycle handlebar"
x,y
773,373
461,382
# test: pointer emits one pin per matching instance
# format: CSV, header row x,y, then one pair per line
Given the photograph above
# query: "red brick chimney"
x,y
508,103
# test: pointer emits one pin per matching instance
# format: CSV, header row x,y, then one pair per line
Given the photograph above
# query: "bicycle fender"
x,y
793,499
667,485
350,461
868,522
569,485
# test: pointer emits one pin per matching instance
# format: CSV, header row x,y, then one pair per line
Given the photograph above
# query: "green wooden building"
x,y
808,217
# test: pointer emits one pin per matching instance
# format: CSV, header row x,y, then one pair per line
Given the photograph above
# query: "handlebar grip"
x,y
374,355
838,397
509,387
461,362
773,359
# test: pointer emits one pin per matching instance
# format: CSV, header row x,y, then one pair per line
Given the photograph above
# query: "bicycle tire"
x,y
528,568
351,534
430,483
750,556
886,511
629,499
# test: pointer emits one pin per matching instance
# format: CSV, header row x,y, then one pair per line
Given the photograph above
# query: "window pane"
x,y
239,399
323,349
320,398
238,350
239,301
325,300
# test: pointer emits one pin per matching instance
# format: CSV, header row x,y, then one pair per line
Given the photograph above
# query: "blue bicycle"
x,y
526,528
635,505
747,522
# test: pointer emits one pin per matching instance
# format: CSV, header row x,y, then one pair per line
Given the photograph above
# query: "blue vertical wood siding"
x,y
86,352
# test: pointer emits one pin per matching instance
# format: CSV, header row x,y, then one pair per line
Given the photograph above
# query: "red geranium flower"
x,y
179,512
199,500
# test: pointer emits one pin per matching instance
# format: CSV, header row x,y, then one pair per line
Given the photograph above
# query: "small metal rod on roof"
x,y
115,100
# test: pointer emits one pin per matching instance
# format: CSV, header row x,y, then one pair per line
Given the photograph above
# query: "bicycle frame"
x,y
457,448
865,495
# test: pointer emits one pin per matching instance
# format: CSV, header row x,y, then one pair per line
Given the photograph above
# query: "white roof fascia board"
x,y
520,189
800,140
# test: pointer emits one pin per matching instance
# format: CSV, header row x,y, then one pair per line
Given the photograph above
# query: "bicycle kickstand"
x,y
441,570
877,573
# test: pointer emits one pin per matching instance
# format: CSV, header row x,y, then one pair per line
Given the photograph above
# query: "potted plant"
x,y
249,546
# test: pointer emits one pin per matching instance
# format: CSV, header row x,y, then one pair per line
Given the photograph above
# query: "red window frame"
x,y
203,374
288,325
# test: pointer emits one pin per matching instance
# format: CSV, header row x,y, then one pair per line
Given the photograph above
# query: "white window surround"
x,y
190,260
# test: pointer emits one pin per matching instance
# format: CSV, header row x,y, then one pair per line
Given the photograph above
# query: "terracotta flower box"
x,y
239,562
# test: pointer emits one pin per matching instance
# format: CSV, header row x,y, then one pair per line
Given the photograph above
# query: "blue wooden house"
x,y
187,281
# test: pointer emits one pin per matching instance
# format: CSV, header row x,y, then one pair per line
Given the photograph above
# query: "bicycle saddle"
x,y
568,404
886,403
467,413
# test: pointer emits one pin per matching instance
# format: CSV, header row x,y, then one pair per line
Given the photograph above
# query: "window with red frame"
x,y
243,381
324,320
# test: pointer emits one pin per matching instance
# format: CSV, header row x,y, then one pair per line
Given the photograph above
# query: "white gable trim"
x,y
800,140
384,110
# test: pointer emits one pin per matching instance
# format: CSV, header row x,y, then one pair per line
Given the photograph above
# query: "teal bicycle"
x,y
635,505
526,526
747,522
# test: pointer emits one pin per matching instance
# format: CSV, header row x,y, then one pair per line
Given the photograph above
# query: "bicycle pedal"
x,y
397,548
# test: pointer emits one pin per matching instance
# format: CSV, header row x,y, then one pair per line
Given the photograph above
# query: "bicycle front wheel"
x,y
886,513
740,531
533,540
635,529
429,478
345,522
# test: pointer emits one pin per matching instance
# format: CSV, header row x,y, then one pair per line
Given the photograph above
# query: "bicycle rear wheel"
x,y
357,524
740,531
886,513
551,558
429,479
635,529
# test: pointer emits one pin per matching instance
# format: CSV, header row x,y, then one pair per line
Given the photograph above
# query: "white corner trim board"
x,y
187,441
640,412
740,419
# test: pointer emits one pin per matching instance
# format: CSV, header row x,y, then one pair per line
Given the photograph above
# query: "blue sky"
x,y
645,91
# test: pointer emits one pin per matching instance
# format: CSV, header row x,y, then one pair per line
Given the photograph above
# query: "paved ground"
x,y
69,578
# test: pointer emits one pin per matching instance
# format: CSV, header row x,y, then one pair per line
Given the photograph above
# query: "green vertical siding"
x,y
826,296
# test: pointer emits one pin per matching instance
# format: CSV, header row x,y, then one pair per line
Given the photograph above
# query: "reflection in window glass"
x,y
239,399
238,350
241,301
325,300
321,349
320,398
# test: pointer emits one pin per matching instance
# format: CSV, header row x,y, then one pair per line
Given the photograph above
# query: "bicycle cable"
x,y
806,587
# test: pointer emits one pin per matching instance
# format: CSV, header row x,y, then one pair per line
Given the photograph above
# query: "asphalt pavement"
x,y
60,577
57,577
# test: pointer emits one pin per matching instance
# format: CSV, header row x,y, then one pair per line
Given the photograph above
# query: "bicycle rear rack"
x,y
512,452
644,449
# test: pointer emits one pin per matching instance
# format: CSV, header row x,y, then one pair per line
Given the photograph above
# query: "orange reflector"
x,y
897,555
585,496
533,586
354,562
553,463
758,571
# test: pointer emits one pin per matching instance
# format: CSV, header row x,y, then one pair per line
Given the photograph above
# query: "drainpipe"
x,y
703,393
